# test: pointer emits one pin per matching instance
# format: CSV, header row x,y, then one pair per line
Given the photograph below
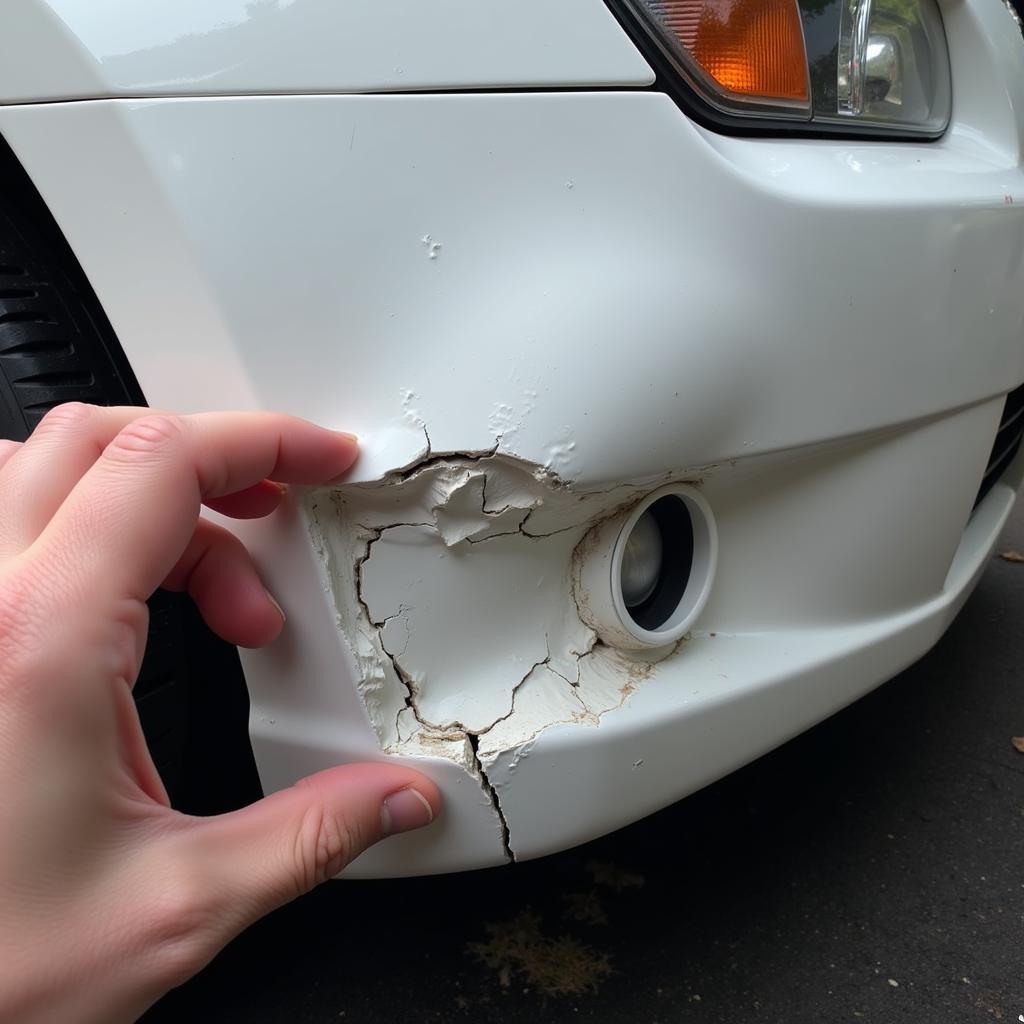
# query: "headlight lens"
x,y
867,66
893,67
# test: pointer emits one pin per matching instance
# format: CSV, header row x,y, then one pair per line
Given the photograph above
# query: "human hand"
x,y
107,896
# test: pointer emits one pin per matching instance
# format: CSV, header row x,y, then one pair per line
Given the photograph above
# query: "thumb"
x,y
282,846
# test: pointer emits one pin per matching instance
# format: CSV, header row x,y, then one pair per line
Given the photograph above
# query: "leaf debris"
x,y
585,907
556,965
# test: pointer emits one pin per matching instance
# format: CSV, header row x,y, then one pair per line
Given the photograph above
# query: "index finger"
x,y
130,517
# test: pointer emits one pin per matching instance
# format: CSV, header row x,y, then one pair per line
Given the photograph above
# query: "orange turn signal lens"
x,y
752,49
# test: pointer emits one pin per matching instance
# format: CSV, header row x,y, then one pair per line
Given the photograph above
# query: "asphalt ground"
x,y
871,870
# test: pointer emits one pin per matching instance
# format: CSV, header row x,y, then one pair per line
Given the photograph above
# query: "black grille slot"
x,y
1007,442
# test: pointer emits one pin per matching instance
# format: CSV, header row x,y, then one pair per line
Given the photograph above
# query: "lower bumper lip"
x,y
734,698
774,651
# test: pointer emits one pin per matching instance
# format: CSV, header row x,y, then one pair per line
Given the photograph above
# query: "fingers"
x,y
68,440
134,511
282,846
219,574
7,449
254,502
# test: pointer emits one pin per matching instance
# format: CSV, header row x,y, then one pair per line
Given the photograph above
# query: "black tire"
x,y
56,345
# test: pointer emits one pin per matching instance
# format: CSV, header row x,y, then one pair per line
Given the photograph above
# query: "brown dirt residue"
x,y
555,965
585,907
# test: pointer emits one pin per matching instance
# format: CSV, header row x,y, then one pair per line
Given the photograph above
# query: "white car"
x,y
678,335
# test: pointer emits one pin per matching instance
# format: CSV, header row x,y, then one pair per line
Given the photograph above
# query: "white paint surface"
x,y
63,49
450,545
687,302
815,334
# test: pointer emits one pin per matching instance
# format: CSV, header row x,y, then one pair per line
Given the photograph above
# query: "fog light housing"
x,y
643,576
642,559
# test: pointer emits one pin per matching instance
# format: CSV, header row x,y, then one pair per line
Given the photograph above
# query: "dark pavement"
x,y
871,870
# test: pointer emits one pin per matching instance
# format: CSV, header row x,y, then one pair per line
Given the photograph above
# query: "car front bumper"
x,y
816,334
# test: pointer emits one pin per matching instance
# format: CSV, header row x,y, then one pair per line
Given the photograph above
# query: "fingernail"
x,y
405,810
352,455
273,601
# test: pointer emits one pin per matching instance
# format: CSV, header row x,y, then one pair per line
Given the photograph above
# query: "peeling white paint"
x,y
453,584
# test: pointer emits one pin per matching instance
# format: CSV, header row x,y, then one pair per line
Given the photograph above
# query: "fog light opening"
x,y
656,563
642,560
663,565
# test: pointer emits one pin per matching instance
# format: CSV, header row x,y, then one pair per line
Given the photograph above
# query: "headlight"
x,y
893,68
866,66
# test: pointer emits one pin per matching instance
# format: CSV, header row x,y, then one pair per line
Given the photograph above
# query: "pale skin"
x,y
108,897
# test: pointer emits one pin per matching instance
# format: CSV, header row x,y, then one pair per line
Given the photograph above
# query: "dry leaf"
x,y
1011,556
1018,743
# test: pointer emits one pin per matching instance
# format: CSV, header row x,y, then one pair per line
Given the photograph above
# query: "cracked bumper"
x,y
840,564
816,333
738,690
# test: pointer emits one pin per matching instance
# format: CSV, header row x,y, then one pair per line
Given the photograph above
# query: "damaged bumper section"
x,y
770,368
458,589
464,588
